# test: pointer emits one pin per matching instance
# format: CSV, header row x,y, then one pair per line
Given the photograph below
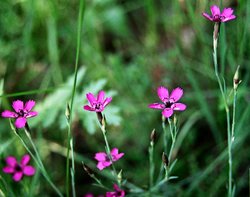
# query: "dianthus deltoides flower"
x,y
97,104
21,112
169,104
217,16
18,170
104,160
117,193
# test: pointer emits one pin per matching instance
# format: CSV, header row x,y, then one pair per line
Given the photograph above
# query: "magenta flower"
x,y
103,159
226,15
21,113
169,102
18,170
117,193
97,104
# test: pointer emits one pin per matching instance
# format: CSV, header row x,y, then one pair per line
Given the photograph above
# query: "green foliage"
x,y
129,48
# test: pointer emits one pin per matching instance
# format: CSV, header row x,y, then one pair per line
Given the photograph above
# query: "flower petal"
x,y
8,169
107,101
20,122
163,94
232,17
227,12
29,105
101,156
167,112
100,96
9,114
117,156
207,16
215,10
88,108
17,105
114,151
91,98
156,106
178,106
31,114
176,94
29,170
102,165
11,161
25,160
17,176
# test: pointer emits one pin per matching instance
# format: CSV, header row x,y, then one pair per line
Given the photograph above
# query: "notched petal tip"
x,y
29,105
176,94
163,93
215,10
17,105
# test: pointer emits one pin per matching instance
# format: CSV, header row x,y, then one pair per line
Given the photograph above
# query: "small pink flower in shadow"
x,y
217,16
117,193
21,112
18,170
103,158
97,104
169,104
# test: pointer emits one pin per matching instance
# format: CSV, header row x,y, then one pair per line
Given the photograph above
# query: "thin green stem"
x,y
223,94
234,112
151,165
39,161
173,144
79,31
109,153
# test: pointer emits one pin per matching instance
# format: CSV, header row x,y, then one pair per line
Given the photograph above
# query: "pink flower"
x,y
18,170
117,193
169,102
97,104
21,113
103,159
226,15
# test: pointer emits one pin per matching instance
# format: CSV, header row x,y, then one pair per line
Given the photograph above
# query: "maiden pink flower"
x,y
21,113
97,104
103,158
217,16
18,170
169,102
117,193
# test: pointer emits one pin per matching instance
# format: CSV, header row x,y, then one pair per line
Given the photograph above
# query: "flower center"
x,y
21,113
97,106
18,168
217,18
168,104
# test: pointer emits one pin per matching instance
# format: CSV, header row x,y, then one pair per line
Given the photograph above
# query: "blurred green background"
x,y
129,48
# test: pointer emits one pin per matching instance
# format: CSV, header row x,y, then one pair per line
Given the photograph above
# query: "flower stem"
x,y
151,164
39,162
69,136
223,94
109,152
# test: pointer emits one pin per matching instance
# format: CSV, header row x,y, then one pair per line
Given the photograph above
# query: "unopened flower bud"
x,y
119,176
87,169
165,159
236,80
67,112
153,136
101,119
175,120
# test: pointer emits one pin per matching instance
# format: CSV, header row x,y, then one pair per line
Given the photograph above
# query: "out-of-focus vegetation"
x,y
129,48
